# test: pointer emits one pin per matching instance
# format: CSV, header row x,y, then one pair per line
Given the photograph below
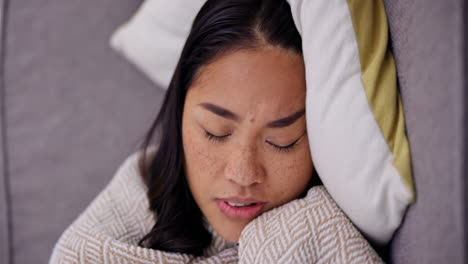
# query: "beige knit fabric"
x,y
309,230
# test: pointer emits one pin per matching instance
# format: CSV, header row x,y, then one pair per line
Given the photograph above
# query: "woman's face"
x,y
244,136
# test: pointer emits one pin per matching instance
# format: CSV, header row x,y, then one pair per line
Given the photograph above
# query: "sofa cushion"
x,y
74,111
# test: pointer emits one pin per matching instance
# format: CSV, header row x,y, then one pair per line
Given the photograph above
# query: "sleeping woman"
x,y
225,174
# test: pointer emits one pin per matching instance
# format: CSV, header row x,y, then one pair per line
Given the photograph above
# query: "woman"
x,y
232,125
232,134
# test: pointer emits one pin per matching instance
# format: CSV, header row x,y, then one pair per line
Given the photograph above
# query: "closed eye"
x,y
214,137
283,148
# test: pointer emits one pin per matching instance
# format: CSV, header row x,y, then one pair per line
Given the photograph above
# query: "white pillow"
x,y
154,37
354,112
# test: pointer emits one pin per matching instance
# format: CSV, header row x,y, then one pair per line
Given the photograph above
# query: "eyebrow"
x,y
286,121
282,122
218,110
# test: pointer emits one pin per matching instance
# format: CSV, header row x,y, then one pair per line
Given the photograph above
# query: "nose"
x,y
244,168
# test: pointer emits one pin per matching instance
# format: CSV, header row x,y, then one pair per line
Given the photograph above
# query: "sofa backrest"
x,y
430,53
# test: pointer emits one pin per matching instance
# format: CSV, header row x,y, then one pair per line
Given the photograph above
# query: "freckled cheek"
x,y
290,174
202,163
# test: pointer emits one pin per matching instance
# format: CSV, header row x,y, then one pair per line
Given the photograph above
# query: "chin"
x,y
230,233
231,238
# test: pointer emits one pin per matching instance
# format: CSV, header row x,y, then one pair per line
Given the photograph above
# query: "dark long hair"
x,y
220,27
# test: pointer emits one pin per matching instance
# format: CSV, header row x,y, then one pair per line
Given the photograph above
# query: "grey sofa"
x,y
71,110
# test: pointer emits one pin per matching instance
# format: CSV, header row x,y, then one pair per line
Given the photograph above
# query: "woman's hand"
x,y
308,230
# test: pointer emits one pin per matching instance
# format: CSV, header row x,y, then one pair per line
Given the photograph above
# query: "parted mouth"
x,y
241,201
240,208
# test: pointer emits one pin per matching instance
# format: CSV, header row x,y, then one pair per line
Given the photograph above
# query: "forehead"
x,y
268,79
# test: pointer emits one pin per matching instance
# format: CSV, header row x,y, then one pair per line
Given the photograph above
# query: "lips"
x,y
236,208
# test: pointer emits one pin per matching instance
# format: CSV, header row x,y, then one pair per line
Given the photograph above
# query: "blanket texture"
x,y
308,230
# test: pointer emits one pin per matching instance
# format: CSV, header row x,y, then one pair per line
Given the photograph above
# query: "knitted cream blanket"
x,y
308,230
